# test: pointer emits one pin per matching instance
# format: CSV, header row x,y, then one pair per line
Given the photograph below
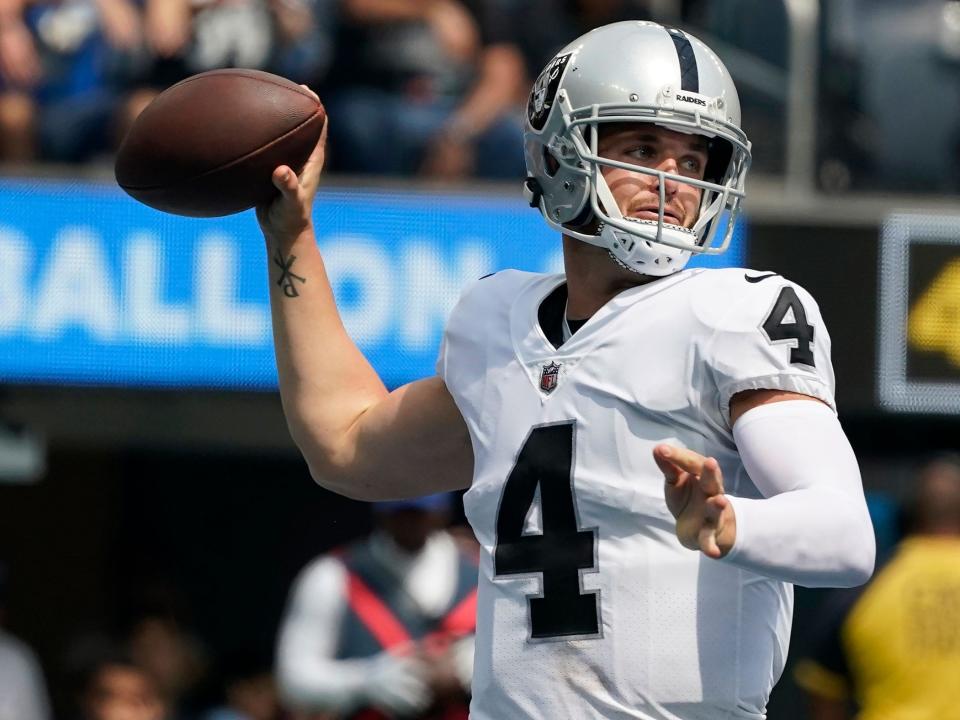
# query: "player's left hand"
x,y
693,487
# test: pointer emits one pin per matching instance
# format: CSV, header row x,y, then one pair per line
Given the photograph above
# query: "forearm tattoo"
x,y
288,279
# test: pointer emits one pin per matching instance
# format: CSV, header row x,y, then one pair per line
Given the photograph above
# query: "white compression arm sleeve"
x,y
811,527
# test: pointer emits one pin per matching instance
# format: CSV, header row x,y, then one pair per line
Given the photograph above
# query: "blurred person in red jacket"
x,y
385,627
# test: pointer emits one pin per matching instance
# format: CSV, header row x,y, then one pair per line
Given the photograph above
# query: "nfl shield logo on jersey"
x,y
548,377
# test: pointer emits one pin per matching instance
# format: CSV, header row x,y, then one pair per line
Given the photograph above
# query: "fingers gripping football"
x,y
289,214
693,489
309,179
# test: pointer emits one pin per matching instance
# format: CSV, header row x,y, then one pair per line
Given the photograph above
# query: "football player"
x,y
652,454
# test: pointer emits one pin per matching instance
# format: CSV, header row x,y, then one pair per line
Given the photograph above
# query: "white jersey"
x,y
588,605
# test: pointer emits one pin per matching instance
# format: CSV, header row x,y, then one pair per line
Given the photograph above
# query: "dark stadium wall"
x,y
212,538
59,538
838,265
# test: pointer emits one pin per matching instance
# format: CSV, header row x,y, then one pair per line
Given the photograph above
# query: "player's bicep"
x,y
413,442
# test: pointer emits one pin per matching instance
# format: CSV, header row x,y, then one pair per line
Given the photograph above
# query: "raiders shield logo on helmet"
x,y
545,90
548,377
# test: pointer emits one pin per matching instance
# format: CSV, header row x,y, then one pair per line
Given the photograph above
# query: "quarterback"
x,y
652,454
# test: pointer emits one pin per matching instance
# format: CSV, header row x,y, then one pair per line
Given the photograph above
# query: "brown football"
x,y
208,145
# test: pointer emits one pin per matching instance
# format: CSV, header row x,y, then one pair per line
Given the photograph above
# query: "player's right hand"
x,y
290,214
398,685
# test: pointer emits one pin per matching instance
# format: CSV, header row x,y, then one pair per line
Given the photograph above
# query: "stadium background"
x,y
142,440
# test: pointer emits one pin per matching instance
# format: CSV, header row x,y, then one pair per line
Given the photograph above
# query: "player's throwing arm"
x,y
358,439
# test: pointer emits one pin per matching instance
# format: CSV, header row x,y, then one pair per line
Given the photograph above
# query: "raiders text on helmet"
x,y
634,72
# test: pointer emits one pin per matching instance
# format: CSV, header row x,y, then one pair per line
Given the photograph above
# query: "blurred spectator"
x,y
385,627
250,691
171,656
23,693
303,44
74,74
19,73
907,76
111,686
847,136
57,95
544,27
60,75
208,34
894,645
428,86
185,37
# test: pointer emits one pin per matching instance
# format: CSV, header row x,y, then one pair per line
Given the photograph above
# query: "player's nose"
x,y
668,165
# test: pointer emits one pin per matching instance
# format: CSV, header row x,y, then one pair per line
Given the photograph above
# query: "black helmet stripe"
x,y
689,75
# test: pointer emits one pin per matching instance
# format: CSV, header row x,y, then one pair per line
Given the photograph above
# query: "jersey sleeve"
x,y
454,335
771,337
476,315
441,365
476,340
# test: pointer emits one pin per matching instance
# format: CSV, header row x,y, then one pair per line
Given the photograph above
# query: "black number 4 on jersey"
x,y
779,329
562,550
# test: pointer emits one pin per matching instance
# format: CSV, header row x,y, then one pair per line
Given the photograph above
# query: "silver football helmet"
x,y
634,72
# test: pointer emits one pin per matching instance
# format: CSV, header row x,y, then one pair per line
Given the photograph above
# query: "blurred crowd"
x,y
151,666
417,87
74,73
436,88
379,628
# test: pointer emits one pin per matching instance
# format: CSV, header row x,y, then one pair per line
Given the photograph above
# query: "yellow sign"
x,y
934,320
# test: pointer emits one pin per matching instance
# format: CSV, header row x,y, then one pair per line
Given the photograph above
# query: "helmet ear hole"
x,y
718,160
584,220
550,163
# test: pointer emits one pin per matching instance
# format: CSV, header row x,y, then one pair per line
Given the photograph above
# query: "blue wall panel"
x,y
97,289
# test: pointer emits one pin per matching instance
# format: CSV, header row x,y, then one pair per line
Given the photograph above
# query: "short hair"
x,y
931,505
91,655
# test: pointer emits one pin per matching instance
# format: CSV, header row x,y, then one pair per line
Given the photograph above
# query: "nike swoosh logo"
x,y
758,278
